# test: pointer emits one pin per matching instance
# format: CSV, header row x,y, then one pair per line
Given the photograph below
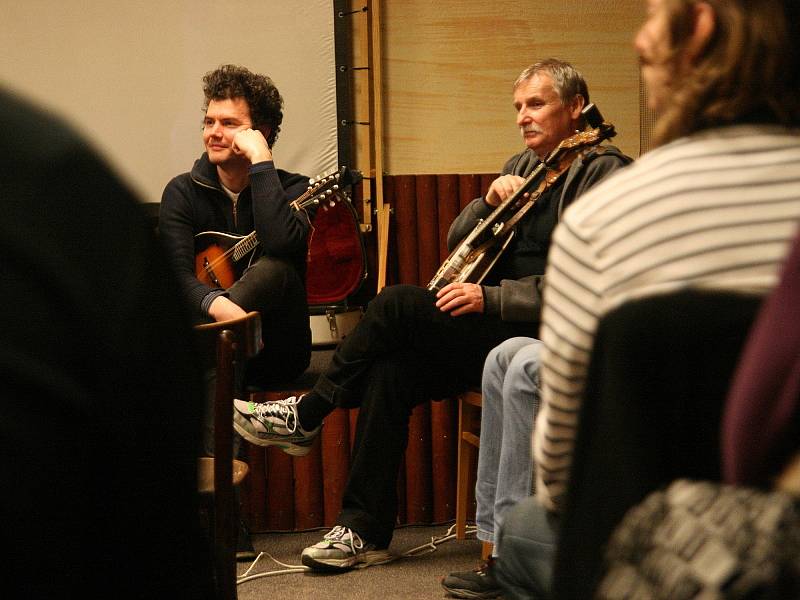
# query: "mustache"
x,y
531,129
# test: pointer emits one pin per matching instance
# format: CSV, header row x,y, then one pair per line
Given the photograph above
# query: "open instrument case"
x,y
336,269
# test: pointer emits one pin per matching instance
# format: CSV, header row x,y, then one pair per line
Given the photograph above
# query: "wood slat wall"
x,y
290,493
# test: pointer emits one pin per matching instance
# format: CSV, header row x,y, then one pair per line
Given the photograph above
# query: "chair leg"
x,y
486,550
467,453
225,513
465,467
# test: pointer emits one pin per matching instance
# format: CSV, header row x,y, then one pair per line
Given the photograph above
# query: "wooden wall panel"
x,y
335,461
448,208
427,198
404,228
448,67
309,477
280,490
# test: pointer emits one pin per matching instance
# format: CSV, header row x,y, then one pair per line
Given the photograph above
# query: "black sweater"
x,y
195,202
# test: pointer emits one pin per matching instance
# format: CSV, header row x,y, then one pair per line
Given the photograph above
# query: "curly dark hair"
x,y
259,91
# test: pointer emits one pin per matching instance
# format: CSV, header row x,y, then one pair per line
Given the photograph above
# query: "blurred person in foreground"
x,y
714,206
100,485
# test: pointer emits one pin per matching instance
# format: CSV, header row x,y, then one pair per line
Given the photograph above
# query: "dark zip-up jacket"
x,y
521,299
195,202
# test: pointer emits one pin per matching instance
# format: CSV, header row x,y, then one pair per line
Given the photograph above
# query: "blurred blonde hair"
x,y
748,71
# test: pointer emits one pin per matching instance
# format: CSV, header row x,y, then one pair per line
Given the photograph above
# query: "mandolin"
x,y
221,258
477,253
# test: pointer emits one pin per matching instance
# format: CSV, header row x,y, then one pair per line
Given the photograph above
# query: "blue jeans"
x,y
510,389
527,543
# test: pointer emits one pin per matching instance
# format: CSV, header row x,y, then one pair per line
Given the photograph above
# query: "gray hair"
x,y
567,81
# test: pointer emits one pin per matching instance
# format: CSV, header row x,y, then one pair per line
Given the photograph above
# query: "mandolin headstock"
x,y
326,188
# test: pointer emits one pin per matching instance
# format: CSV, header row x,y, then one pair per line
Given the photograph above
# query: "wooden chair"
x,y
468,435
655,393
469,421
225,346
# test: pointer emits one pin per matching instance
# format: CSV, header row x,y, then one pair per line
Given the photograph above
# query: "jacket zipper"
x,y
234,202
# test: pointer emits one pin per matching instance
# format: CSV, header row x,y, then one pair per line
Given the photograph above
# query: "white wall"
x,y
128,73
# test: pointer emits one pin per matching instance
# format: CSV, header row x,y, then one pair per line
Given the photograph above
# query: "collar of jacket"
x,y
205,174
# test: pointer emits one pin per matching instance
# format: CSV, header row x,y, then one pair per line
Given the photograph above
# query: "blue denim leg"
x,y
527,543
510,389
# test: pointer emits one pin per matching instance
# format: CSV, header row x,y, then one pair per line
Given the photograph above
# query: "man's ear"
x,y
577,104
704,23
265,131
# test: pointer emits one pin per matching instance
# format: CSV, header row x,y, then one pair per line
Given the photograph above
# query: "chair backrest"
x,y
656,388
225,346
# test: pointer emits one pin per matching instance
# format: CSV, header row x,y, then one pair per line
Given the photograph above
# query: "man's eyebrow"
x,y
528,99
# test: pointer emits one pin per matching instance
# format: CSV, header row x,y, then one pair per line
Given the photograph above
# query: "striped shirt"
x,y
715,210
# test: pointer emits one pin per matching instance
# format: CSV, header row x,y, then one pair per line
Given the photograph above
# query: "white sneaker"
x,y
273,424
342,549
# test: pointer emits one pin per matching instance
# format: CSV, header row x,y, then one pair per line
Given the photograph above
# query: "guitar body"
x,y
214,263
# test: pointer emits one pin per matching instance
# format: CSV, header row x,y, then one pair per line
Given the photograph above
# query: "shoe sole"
x,y
292,448
462,593
359,561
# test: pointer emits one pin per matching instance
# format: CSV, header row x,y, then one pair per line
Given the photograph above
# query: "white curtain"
x,y
128,73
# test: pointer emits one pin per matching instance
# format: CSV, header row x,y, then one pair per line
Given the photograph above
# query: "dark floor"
x,y
407,577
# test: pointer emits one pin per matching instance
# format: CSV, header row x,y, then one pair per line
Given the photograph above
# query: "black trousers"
x,y
404,351
274,288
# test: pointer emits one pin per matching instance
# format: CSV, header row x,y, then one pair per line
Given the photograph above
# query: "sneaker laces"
x,y
339,534
285,410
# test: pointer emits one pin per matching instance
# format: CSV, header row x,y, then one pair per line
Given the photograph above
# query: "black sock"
x,y
312,409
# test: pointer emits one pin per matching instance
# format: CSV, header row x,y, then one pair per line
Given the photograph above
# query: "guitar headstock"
x,y
599,130
327,187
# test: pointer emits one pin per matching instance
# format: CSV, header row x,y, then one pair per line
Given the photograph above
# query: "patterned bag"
x,y
706,540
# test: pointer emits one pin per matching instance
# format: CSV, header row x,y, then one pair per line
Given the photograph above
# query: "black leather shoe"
x,y
479,583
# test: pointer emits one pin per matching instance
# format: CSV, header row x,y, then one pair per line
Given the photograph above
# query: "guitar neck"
x,y
497,215
244,246
314,195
